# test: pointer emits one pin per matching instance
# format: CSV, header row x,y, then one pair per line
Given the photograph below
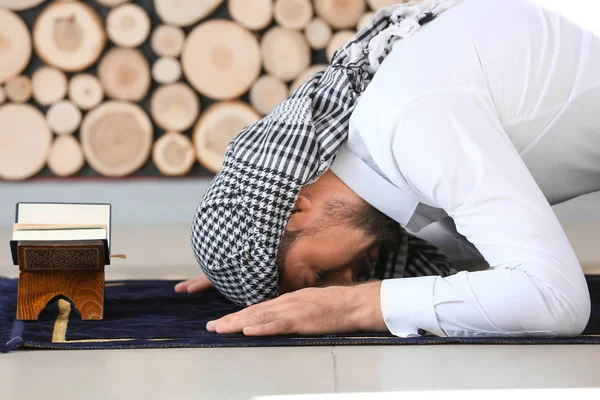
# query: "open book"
x,y
61,223
45,232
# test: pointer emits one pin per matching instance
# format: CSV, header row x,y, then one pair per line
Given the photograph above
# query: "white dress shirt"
x,y
490,114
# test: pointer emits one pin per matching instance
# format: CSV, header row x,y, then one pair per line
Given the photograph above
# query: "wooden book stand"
x,y
73,270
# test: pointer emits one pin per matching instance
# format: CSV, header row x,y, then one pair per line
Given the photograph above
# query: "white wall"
x,y
174,201
139,207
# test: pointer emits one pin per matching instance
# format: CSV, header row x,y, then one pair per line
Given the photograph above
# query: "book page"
x,y
57,213
72,234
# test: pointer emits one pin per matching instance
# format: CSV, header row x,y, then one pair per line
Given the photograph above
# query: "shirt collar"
x,y
373,188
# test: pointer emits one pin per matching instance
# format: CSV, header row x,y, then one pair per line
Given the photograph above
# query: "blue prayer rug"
x,y
149,314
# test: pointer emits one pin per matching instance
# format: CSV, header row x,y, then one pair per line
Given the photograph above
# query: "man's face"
x,y
340,249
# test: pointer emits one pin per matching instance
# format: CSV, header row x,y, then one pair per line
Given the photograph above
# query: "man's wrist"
x,y
365,307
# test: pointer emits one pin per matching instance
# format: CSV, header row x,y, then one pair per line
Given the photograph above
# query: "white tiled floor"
x,y
242,373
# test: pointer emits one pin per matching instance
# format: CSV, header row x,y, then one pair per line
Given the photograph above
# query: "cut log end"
x,y
69,36
18,90
85,91
64,117
112,3
166,70
184,13
338,40
221,59
15,45
364,20
254,15
173,154
49,85
167,41
305,76
65,157
25,141
174,107
116,138
377,4
19,5
215,129
267,93
124,74
128,25
285,53
340,14
318,33
293,14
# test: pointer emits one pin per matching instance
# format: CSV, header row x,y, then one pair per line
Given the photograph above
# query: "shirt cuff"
x,y
407,306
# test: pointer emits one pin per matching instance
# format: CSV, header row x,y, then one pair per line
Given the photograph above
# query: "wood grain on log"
x,y
116,138
305,76
217,126
167,40
84,288
184,12
173,154
293,14
15,45
338,40
63,117
25,139
377,4
112,3
318,33
364,20
285,53
49,85
18,89
66,156
174,107
340,14
69,36
254,15
19,5
267,93
166,70
124,74
128,25
221,59
85,91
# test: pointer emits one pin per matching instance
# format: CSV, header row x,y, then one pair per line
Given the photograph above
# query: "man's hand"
x,y
334,309
197,284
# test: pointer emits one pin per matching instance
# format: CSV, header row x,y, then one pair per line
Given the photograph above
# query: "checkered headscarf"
x,y
243,215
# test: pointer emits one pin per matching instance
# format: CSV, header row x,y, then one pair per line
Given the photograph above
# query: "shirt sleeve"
x,y
452,149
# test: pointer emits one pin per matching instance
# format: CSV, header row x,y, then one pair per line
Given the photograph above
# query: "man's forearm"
x,y
364,307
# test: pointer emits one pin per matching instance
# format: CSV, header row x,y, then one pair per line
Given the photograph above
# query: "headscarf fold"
x,y
241,220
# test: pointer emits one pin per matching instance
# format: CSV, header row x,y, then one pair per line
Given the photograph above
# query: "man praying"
x,y
478,114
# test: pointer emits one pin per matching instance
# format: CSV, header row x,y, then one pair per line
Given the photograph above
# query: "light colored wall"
x,y
143,202
149,202
151,218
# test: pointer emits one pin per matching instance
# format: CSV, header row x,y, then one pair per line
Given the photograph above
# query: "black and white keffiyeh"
x,y
242,218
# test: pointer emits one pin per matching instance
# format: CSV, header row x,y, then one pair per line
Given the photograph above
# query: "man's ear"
x,y
302,215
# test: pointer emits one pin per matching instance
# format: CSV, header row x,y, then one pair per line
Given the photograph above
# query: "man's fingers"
x,y
278,327
200,285
182,286
194,285
236,322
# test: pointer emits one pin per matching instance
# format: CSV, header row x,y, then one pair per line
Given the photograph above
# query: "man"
x,y
487,114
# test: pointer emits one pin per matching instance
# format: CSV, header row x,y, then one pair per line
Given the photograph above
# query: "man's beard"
x,y
359,215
